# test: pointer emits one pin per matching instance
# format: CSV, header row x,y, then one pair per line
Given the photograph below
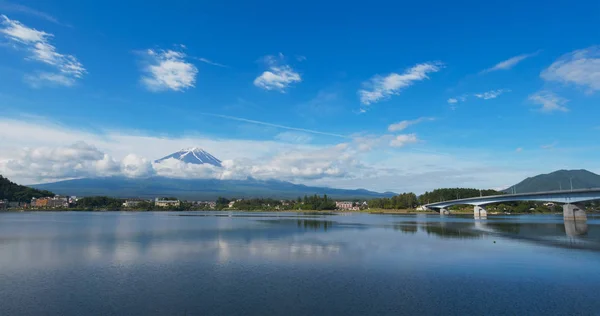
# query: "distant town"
x,y
58,202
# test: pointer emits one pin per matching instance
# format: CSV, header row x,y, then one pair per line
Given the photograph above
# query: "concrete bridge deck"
x,y
567,197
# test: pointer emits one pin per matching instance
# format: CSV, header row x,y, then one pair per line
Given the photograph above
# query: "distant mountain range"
x,y
197,189
194,155
210,189
581,179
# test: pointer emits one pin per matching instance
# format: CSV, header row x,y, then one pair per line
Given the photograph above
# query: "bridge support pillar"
x,y
444,211
479,211
572,212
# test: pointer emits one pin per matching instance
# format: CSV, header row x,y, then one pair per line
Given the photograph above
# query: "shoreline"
x,y
366,211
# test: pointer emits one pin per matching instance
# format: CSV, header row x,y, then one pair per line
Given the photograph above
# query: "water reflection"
x,y
576,228
406,228
314,224
440,229
568,234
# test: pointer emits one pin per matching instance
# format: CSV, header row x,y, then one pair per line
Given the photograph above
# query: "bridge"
x,y
568,198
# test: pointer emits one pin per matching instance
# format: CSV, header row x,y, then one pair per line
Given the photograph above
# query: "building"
x,y
161,202
3,204
14,205
58,202
132,203
344,205
40,203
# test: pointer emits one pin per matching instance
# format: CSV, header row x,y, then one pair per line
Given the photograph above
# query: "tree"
x,y
19,193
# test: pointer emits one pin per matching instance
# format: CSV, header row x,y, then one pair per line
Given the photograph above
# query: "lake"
x,y
226,263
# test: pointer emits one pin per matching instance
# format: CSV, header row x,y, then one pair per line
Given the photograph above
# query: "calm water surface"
x,y
295,264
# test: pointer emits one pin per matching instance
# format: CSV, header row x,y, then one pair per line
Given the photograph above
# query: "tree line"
x,y
19,193
410,200
308,202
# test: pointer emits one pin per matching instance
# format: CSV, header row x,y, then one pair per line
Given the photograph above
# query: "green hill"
x,y
581,179
18,193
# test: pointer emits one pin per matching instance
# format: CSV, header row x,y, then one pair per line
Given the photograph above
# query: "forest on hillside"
x,y
19,193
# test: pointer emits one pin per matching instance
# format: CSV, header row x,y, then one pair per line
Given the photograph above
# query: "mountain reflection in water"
x,y
231,263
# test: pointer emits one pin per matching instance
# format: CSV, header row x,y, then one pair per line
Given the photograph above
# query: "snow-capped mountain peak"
x,y
193,155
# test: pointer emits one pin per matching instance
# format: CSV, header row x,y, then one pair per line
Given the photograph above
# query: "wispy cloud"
x,y
406,123
381,88
279,76
580,67
492,94
520,149
509,63
294,137
167,70
549,101
240,119
402,140
37,44
210,62
488,95
19,8
549,146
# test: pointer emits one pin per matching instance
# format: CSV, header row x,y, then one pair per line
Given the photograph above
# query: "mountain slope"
x,y
197,189
193,155
581,179
19,193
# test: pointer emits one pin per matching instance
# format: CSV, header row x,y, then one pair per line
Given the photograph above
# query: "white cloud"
x,y
364,162
13,7
452,101
402,140
134,166
278,77
520,149
174,168
381,88
168,70
44,78
37,44
580,67
367,143
56,163
294,137
405,124
509,63
492,94
549,101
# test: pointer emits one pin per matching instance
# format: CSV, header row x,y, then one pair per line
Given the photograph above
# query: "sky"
x,y
386,95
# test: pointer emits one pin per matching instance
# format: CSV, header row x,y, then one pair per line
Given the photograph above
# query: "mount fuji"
x,y
195,189
194,155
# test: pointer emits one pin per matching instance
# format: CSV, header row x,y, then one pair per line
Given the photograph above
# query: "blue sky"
x,y
388,95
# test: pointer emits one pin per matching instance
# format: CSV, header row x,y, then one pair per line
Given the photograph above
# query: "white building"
x,y
166,203
131,203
